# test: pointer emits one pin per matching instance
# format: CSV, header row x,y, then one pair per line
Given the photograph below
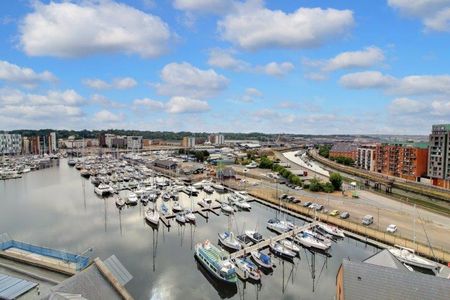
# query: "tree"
x,y
315,185
336,181
324,151
328,187
265,163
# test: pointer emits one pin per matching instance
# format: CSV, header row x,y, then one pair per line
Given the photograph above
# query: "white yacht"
x,y
103,189
408,256
152,216
190,216
228,240
309,240
278,226
132,199
331,230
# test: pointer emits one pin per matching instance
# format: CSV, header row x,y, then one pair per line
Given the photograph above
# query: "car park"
x,y
344,215
391,228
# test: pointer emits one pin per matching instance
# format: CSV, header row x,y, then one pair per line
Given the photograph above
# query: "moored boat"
x,y
263,260
282,251
228,240
217,262
408,256
254,236
331,230
152,216
246,269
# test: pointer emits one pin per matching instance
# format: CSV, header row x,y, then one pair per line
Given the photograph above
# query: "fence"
x,y
80,262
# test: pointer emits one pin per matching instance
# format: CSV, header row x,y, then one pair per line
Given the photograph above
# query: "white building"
x,y
52,142
134,142
10,143
365,157
109,139
188,142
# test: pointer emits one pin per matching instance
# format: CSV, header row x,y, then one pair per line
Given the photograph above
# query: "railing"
x,y
80,262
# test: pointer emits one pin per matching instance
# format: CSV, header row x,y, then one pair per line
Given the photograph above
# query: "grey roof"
x,y
12,287
367,281
118,270
90,283
342,147
386,259
164,162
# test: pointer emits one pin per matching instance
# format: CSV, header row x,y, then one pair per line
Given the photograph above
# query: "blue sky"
x,y
223,65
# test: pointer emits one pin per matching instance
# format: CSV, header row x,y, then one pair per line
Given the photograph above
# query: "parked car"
x,y
283,196
290,198
296,200
298,188
316,206
367,220
391,228
334,212
345,215
307,204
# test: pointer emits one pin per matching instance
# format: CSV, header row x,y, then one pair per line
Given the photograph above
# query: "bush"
x,y
265,163
315,185
328,187
336,181
344,160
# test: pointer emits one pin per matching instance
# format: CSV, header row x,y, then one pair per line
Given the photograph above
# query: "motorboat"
x,y
331,230
261,259
189,215
228,240
166,196
244,240
243,205
132,199
205,202
180,218
120,202
177,207
208,189
308,240
217,262
254,236
152,216
246,269
409,257
227,208
277,226
219,188
290,245
103,189
164,209
190,190
71,162
85,173
282,251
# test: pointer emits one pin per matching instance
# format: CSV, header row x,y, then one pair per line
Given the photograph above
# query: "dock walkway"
x,y
268,241
201,211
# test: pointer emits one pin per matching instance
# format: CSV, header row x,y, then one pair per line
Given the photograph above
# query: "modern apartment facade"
x,y
365,157
216,139
134,142
10,144
438,155
188,142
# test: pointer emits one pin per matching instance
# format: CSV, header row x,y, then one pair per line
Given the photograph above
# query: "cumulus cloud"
x,y
183,79
204,6
92,27
106,116
148,104
406,105
408,85
117,83
252,26
365,58
225,59
23,76
367,79
180,104
434,14
277,69
30,107
250,95
105,102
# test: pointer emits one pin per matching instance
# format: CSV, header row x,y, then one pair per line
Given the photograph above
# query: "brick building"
x,y
343,150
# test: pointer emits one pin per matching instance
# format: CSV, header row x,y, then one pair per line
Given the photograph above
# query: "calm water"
x,y
57,208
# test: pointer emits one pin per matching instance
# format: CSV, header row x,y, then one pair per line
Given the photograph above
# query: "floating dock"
x,y
201,211
274,239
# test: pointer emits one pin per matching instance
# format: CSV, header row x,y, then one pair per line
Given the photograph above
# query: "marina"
x,y
155,253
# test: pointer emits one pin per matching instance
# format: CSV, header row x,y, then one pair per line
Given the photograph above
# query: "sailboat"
x,y
282,251
152,216
228,239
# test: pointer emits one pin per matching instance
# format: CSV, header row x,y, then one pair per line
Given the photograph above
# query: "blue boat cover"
x,y
264,258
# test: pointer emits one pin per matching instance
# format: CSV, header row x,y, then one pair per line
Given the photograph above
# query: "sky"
x,y
279,66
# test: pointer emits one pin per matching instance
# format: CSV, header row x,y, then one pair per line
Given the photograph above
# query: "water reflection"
x,y
77,219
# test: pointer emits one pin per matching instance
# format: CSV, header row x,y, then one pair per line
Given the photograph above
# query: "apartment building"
x,y
188,142
439,155
216,139
10,144
407,161
365,157
343,150
134,142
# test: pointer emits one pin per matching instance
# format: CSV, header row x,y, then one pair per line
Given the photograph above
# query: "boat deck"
x,y
268,241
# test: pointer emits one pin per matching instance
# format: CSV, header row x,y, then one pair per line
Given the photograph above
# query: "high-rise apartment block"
x,y
438,155
188,142
10,143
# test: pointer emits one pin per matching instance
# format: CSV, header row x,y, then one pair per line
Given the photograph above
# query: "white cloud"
x,y
92,27
105,116
24,76
253,27
225,59
148,103
117,83
435,14
406,106
440,108
183,79
250,95
367,79
105,102
408,85
29,107
178,104
277,69
204,6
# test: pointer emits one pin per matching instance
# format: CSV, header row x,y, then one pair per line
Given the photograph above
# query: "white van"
x,y
367,220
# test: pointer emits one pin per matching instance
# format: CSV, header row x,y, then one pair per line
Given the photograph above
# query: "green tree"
x,y
265,163
336,180
315,185
328,187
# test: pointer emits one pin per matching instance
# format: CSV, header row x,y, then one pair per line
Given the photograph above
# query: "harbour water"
x,y
57,208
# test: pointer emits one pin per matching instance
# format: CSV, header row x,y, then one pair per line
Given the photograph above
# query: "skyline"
x,y
226,66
